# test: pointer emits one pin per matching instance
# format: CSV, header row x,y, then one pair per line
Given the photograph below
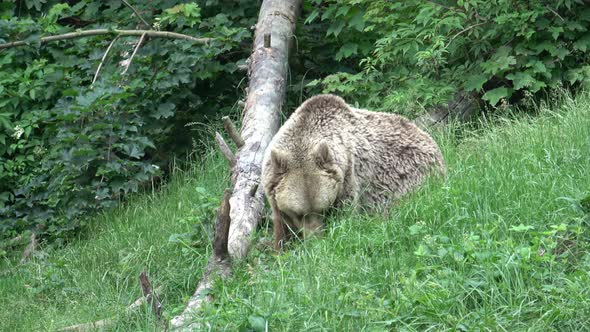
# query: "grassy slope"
x,y
97,277
498,246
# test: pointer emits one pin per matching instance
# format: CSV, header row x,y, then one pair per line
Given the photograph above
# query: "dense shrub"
x,y
68,146
409,55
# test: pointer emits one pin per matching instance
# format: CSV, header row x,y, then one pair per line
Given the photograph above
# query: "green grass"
x,y
501,245
96,276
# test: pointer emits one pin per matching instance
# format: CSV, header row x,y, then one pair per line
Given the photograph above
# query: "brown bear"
x,y
328,152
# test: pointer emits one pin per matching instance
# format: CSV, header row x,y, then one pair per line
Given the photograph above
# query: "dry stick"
x,y
147,25
104,323
151,297
133,54
232,131
219,265
229,155
96,32
104,58
30,249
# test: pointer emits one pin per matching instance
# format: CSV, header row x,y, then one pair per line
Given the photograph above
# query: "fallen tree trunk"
x,y
242,207
266,93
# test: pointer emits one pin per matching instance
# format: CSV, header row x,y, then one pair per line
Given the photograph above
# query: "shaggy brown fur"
x,y
328,152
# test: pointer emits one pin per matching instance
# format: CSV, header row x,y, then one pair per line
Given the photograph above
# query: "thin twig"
x,y
147,25
232,131
104,58
133,54
229,155
463,31
554,12
96,32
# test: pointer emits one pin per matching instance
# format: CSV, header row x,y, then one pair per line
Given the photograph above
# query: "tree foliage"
x,y
408,55
69,146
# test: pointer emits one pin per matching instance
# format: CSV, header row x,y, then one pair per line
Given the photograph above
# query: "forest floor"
x,y
502,244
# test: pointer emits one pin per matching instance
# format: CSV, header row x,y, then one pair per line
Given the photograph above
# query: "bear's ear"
x,y
323,154
279,160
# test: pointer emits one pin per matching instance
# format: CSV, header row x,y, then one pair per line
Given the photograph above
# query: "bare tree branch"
x,y
147,25
463,31
116,32
554,12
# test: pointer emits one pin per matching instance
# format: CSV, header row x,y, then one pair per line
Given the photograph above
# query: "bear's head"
x,y
304,185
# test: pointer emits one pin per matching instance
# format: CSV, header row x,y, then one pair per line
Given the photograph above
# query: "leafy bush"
x,y
69,146
414,54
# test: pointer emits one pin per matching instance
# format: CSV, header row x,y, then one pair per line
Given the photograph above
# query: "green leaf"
x,y
560,53
476,82
257,323
578,74
133,151
521,228
520,80
583,43
555,31
537,85
357,21
493,96
312,16
343,10
537,66
346,51
35,3
165,110
500,61
335,28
